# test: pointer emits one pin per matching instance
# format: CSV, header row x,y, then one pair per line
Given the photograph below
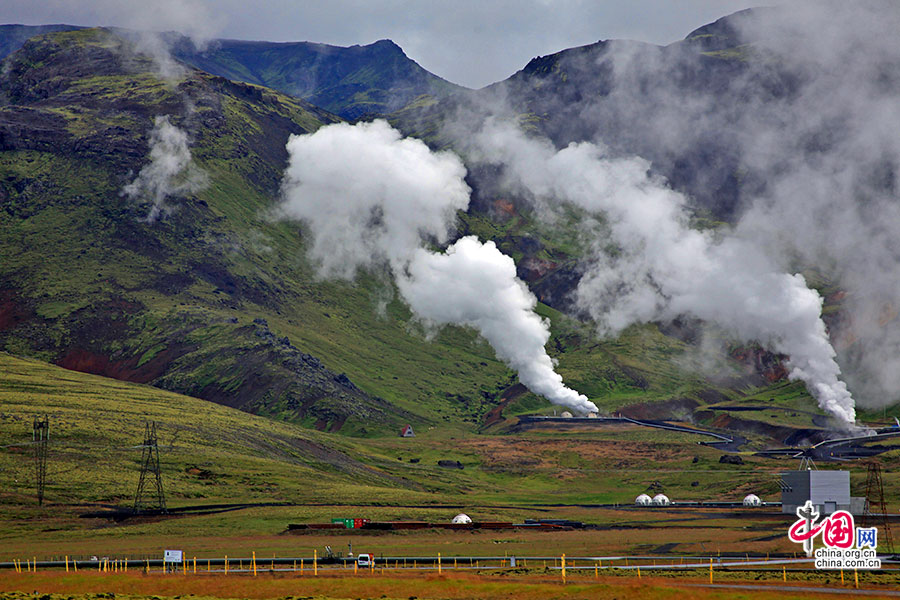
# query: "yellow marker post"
x,y
454,562
67,563
439,563
596,572
710,570
75,565
856,577
639,571
253,561
34,563
355,567
195,565
273,562
315,562
226,564
148,566
784,573
842,577
125,563
295,565
562,562
208,565
184,567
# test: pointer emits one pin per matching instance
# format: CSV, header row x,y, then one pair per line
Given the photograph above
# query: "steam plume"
x,y
662,268
171,172
372,197
369,195
475,284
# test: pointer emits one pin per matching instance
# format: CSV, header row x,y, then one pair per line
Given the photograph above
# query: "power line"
x,y
40,435
150,464
875,499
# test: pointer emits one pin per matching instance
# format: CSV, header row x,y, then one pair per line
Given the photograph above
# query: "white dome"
x,y
461,518
661,500
643,500
566,415
752,500
592,415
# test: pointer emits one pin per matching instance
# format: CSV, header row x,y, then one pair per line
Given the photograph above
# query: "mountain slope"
x,y
93,285
207,452
212,298
679,106
374,79
13,36
377,78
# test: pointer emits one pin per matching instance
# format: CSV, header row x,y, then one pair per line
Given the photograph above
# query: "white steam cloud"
x,y
369,195
475,284
170,172
372,197
661,268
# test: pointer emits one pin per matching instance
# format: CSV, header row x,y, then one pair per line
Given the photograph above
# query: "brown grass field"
x,y
535,585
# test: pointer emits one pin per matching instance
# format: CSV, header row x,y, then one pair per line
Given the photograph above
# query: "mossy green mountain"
x,y
216,299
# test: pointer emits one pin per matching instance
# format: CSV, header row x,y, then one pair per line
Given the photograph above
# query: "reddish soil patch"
x,y
505,206
11,312
86,361
533,268
495,415
767,364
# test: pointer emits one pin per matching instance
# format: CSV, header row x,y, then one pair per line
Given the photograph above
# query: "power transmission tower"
x,y
150,465
875,500
40,435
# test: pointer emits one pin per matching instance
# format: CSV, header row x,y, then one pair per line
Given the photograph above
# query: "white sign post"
x,y
173,558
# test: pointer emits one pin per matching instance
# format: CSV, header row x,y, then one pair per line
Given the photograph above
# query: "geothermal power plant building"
x,y
828,490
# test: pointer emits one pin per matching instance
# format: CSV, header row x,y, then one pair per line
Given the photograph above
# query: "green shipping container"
x,y
348,523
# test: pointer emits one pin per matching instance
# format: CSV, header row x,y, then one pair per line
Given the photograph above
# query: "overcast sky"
x,y
470,42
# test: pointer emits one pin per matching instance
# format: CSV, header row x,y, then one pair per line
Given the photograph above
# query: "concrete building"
x,y
828,490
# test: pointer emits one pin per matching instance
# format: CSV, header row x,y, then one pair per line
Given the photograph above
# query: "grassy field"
x,y
213,454
521,584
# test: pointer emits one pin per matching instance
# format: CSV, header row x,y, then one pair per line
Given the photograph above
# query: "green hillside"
x,y
351,82
215,300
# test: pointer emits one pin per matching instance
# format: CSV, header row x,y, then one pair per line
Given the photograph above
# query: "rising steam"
x,y
371,197
170,173
475,284
661,268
